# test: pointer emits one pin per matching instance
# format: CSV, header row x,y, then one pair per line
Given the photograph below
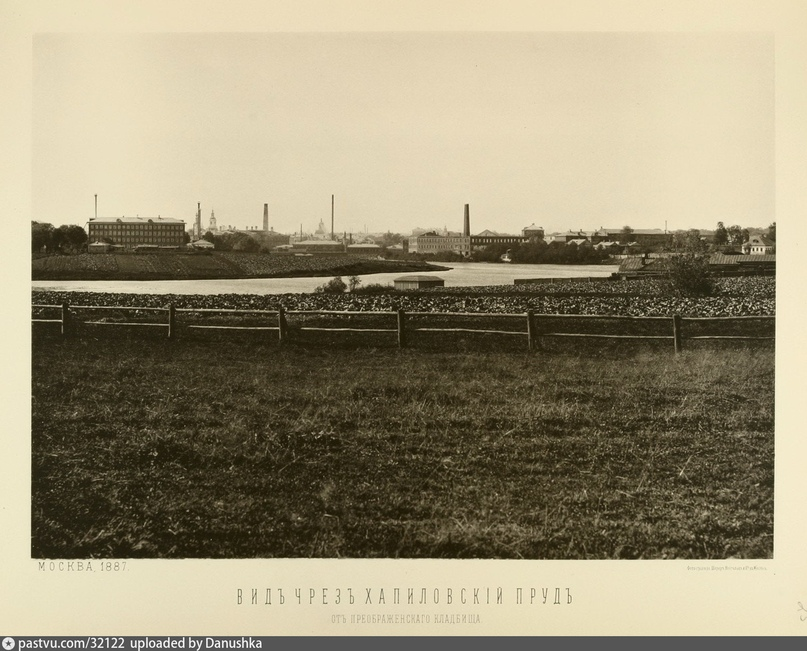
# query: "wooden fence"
x,y
536,326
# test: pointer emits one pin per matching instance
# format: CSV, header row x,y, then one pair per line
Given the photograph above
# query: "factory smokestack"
x,y
331,216
96,206
466,228
266,217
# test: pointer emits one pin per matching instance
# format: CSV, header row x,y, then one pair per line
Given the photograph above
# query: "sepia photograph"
x,y
360,320
403,295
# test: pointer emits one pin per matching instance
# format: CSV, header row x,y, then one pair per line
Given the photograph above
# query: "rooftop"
x,y
135,220
418,278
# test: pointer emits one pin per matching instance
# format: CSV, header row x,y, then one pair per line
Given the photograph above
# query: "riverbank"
x,y
213,266
645,297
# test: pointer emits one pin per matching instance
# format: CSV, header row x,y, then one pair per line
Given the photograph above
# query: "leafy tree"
x,y
492,252
40,236
73,238
688,274
354,282
721,235
247,243
771,232
689,241
678,240
530,252
57,240
626,235
223,242
570,254
694,241
735,233
389,239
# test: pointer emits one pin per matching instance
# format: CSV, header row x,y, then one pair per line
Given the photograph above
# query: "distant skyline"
x,y
563,130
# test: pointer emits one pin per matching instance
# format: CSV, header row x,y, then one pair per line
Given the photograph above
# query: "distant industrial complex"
x,y
135,233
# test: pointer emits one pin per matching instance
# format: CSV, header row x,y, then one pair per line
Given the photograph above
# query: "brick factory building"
x,y
432,242
130,232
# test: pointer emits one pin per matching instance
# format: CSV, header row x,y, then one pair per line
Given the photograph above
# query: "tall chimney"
x,y
266,217
331,216
466,229
96,206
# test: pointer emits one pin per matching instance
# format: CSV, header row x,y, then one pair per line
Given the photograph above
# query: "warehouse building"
x,y
420,281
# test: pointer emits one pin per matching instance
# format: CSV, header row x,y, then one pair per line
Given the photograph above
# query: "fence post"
x,y
401,328
530,330
65,319
281,324
677,332
171,321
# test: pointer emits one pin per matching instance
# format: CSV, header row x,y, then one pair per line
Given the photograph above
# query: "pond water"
x,y
460,275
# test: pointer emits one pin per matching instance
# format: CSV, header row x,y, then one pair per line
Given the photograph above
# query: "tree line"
x,y
45,238
539,252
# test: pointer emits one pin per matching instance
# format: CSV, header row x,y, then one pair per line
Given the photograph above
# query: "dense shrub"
x,y
374,289
334,286
689,275
736,297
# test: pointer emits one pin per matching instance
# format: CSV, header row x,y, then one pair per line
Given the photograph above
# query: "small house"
x,y
203,244
758,245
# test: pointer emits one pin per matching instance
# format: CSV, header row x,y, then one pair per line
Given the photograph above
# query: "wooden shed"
x,y
418,282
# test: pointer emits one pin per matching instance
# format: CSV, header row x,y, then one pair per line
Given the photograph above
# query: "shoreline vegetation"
x,y
213,265
742,296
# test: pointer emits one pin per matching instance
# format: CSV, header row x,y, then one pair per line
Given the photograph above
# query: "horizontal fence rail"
x,y
536,326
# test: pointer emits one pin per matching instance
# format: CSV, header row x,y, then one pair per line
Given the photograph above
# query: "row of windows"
x,y
137,229
146,240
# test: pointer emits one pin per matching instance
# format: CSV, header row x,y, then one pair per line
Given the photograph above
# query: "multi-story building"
x,y
533,232
486,238
431,242
130,232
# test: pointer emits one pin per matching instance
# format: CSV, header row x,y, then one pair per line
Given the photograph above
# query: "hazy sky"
x,y
564,130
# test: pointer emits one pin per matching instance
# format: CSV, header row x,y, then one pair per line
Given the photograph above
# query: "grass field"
x,y
226,448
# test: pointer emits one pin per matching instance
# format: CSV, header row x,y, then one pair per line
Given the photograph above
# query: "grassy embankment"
x,y
210,265
197,448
